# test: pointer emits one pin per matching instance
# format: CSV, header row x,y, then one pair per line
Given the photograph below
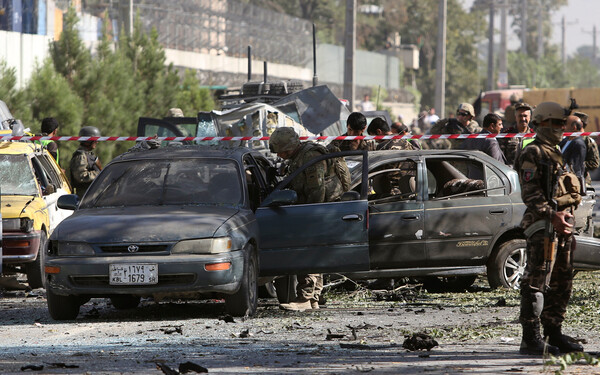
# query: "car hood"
x,y
12,206
143,224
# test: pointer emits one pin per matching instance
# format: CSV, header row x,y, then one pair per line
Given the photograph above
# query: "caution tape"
x,y
304,138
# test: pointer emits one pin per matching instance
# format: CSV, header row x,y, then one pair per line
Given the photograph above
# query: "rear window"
x,y
17,177
167,182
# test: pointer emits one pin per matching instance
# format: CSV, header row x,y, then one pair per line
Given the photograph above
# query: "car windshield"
x,y
17,177
193,181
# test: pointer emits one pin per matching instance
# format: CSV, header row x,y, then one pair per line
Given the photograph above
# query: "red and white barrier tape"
x,y
310,138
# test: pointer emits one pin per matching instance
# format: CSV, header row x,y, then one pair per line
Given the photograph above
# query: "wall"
x,y
23,52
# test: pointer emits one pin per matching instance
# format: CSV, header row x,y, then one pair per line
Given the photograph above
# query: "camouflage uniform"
x,y
83,169
316,184
392,185
395,144
348,145
448,126
537,163
511,146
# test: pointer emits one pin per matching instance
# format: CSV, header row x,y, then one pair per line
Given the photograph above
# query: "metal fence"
x,y
222,27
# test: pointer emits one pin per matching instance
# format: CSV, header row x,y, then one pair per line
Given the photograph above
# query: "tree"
x,y
192,98
69,55
12,96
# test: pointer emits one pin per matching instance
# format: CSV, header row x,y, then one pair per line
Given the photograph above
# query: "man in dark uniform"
x,y
356,123
85,165
492,124
316,184
545,287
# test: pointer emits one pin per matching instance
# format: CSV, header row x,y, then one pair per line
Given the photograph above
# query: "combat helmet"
x,y
284,139
89,131
548,110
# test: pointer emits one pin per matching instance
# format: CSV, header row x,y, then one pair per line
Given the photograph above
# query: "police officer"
x,y
85,165
545,288
50,128
512,146
316,184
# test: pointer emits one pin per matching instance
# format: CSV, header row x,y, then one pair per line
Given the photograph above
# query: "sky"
x,y
580,17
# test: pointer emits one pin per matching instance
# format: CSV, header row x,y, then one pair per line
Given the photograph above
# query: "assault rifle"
x,y
550,238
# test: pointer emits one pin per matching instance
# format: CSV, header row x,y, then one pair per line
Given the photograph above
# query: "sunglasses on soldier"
x,y
462,114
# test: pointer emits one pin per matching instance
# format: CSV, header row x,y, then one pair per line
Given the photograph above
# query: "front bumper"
x,y
19,247
182,273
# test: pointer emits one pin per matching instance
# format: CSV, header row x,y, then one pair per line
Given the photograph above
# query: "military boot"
x,y
532,342
564,343
297,305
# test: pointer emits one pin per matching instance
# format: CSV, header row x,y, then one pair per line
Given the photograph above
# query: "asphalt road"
x,y
475,334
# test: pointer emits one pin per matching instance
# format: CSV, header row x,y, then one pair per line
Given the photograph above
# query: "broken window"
x,y
396,180
17,177
454,178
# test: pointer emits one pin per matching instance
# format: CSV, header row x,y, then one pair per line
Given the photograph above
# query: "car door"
x,y
200,126
466,205
314,238
396,214
53,187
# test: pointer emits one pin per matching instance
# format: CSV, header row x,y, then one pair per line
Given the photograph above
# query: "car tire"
x,y
285,287
267,290
245,300
62,307
507,265
435,284
125,301
35,270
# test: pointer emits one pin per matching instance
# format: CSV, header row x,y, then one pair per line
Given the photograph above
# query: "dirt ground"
x,y
359,332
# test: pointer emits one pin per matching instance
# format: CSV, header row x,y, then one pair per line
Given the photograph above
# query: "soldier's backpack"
x,y
592,156
339,164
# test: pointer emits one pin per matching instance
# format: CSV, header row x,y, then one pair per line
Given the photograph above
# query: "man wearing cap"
x,y
316,184
511,146
356,125
546,286
50,129
85,165
492,124
462,124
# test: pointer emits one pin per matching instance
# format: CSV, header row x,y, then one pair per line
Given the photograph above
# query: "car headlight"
x,y
23,224
75,248
203,246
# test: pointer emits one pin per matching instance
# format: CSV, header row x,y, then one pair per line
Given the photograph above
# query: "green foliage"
x,y
192,98
69,55
9,93
569,359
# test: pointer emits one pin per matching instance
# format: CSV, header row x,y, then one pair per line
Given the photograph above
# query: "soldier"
x,y
511,146
547,281
356,123
85,165
378,126
462,124
316,184
592,156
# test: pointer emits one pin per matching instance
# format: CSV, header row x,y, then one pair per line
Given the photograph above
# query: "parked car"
x,y
30,183
453,215
195,220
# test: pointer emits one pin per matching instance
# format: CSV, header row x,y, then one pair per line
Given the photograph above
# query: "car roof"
x,y
187,151
18,148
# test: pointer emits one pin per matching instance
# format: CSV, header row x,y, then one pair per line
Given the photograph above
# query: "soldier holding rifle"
x,y
551,194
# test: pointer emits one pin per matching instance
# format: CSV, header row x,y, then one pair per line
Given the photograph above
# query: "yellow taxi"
x,y
30,184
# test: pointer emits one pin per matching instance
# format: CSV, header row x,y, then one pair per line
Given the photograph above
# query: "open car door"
x,y
200,126
317,237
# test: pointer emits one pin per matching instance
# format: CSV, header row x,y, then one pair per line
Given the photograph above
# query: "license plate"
x,y
133,274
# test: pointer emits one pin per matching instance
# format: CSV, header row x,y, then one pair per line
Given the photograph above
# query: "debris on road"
x,y
32,367
419,341
166,369
227,318
168,330
186,367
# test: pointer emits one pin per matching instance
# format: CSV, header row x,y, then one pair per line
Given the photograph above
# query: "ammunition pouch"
x,y
568,191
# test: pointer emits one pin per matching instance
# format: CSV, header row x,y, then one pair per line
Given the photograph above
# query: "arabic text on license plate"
x,y
133,274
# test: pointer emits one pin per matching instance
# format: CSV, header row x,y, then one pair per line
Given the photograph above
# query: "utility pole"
x,y
502,57
563,46
440,63
490,70
594,45
524,27
130,18
540,39
349,47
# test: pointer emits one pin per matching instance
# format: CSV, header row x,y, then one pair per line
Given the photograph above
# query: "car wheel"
x,y
508,265
125,301
35,270
62,307
448,284
267,290
245,300
285,287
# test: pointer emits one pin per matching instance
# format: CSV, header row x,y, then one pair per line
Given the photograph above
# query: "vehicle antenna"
x,y
315,79
249,63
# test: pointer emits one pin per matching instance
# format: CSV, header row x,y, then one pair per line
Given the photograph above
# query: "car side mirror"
x,y
350,196
68,202
281,198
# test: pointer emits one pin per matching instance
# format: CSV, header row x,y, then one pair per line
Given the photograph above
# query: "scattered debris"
x,y
168,330
32,367
166,369
61,365
93,313
186,367
297,325
227,318
331,336
501,302
245,333
419,341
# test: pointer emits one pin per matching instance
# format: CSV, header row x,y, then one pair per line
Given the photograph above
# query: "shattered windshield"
x,y
167,182
17,177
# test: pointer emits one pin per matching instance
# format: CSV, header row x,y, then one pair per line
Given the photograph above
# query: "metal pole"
x,y
490,71
524,27
315,78
563,52
502,57
440,64
131,18
349,47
